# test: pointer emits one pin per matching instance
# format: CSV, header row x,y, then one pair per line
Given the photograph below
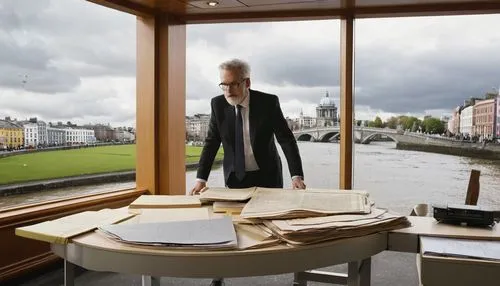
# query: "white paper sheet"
x,y
462,248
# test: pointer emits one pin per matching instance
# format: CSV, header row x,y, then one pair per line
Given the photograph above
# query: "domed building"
x,y
326,112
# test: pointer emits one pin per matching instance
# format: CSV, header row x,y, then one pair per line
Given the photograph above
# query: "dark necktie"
x,y
239,148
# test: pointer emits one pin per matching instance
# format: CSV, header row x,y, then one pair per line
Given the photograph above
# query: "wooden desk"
x,y
93,251
435,270
458,271
96,252
407,239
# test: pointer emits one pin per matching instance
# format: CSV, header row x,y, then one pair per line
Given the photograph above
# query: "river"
x,y
395,179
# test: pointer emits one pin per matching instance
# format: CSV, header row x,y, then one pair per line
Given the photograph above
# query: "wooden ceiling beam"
x,y
426,9
430,9
128,7
263,16
347,8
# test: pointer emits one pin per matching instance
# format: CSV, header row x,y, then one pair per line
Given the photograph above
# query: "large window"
x,y
422,85
67,96
297,61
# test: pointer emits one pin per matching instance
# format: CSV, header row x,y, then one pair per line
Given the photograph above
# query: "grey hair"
x,y
240,66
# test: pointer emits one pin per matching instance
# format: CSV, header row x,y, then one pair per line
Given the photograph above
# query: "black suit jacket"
x,y
266,120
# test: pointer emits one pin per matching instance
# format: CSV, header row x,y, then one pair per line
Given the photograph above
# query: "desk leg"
x,y
69,273
359,273
298,280
150,280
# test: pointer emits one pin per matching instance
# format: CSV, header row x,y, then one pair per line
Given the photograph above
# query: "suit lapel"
x,y
252,117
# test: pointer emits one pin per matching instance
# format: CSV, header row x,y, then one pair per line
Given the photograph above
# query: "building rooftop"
x,y
327,100
485,101
6,124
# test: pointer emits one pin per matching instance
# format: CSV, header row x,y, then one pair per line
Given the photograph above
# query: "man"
x,y
245,121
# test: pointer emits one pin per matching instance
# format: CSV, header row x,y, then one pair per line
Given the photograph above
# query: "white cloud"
x,y
97,100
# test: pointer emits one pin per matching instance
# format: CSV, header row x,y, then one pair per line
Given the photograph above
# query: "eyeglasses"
x,y
227,86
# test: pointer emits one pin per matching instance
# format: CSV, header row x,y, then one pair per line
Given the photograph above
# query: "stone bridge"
x,y
405,140
361,134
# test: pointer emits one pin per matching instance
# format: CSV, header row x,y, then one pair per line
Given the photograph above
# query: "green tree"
x,y
412,122
377,122
415,126
392,122
433,125
403,121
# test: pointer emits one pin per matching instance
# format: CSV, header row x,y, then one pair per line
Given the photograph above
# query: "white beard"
x,y
237,100
234,100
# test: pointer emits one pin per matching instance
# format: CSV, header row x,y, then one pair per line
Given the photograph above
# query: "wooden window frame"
x,y
161,67
20,255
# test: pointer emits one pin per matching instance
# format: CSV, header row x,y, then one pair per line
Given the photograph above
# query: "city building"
x,y
454,121
103,133
326,112
306,121
56,136
11,135
448,123
123,135
42,132
483,114
497,112
30,134
466,120
293,124
75,136
197,126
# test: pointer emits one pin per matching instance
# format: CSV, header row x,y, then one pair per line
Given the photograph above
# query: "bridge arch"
x,y
305,137
327,137
370,137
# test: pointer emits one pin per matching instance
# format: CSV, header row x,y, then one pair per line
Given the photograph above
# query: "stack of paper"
x,y
165,201
61,230
319,229
227,195
228,207
284,204
216,233
166,215
254,236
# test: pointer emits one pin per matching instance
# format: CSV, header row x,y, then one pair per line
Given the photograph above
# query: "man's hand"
x,y
198,188
298,183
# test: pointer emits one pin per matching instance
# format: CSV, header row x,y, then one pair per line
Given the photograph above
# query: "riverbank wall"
x,y
4,154
490,151
84,180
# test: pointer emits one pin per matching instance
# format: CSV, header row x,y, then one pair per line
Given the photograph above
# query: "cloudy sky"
x,y
70,60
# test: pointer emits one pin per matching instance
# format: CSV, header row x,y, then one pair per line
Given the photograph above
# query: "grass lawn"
x,y
63,163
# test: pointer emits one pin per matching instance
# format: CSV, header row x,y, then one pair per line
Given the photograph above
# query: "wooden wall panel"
x,y
346,101
172,179
20,256
161,100
146,170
